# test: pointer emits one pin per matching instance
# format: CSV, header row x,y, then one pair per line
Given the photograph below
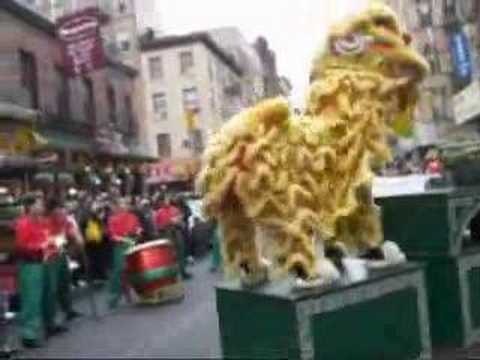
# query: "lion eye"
x,y
385,23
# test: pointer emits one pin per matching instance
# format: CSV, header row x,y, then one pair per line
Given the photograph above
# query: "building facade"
x,y
88,115
447,33
271,80
191,86
120,37
233,41
120,32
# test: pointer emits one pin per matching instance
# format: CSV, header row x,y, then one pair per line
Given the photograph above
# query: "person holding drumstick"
x,y
36,252
123,228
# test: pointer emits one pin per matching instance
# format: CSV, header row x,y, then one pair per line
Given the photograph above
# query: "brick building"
x,y
87,115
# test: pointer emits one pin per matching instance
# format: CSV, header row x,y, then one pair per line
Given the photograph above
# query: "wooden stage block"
x,y
384,317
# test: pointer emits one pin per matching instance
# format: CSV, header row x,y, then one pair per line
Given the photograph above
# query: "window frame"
x,y
155,73
161,112
112,104
189,104
29,76
64,93
186,66
167,151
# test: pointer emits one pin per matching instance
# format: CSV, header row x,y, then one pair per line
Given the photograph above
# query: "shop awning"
x,y
11,111
17,162
58,140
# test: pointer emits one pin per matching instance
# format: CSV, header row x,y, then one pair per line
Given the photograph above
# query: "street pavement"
x,y
186,329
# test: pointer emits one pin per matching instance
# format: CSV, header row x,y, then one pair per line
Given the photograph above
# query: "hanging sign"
x,y
81,41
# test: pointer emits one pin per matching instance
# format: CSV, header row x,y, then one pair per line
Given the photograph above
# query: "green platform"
x,y
430,223
453,285
385,317
430,228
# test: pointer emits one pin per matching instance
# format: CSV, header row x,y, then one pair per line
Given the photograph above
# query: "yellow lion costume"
x,y
300,180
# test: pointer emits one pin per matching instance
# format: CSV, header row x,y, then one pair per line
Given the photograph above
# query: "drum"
x,y
153,272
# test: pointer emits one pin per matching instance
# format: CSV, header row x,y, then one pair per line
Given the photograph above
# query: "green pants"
x,y
176,237
64,294
216,253
116,274
37,285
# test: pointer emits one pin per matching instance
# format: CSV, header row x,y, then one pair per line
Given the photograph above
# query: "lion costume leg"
x,y
239,248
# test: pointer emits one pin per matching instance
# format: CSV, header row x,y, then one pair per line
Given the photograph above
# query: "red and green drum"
x,y
153,271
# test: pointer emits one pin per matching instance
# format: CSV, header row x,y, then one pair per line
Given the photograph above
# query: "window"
x,y
123,42
132,126
190,99
124,45
197,141
112,104
89,104
122,6
186,61
160,106
164,145
28,65
156,67
213,104
210,71
63,93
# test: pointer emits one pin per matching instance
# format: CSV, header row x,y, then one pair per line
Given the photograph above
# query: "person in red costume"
x,y
63,232
123,227
167,215
168,220
36,250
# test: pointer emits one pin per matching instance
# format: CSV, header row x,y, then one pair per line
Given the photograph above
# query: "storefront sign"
x,y
466,104
173,170
47,157
82,44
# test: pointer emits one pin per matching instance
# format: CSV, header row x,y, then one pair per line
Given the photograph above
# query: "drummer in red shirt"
x,y
167,219
123,227
64,232
166,216
35,251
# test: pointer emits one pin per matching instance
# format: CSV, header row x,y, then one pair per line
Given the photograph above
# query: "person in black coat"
x,y
144,212
182,205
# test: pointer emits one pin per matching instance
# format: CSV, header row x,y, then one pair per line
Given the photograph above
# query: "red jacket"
x,y
58,223
165,216
123,224
31,237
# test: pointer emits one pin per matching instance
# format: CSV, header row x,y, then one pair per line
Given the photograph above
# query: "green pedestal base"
x,y
385,317
453,285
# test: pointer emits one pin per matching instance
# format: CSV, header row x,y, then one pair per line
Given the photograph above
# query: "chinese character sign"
x,y
82,44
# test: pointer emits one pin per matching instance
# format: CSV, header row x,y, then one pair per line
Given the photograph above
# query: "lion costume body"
x,y
297,180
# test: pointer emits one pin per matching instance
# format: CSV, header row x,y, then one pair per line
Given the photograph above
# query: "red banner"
x,y
81,40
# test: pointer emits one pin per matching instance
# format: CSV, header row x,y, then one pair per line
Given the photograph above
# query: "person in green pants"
x,y
36,275
216,262
63,229
123,226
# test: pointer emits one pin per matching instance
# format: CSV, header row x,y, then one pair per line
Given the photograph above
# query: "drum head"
x,y
149,245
